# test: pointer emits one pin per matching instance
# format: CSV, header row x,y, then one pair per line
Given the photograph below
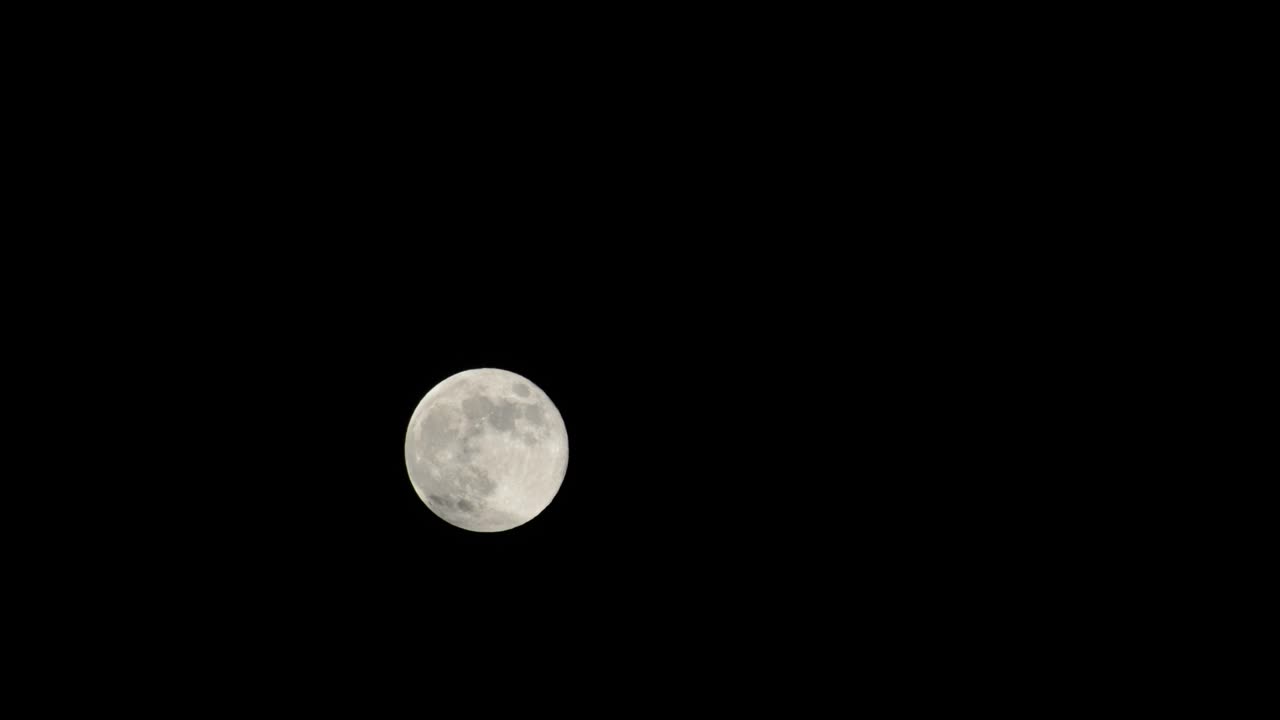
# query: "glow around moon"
x,y
486,450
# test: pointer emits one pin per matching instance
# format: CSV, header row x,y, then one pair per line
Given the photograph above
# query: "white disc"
x,y
486,450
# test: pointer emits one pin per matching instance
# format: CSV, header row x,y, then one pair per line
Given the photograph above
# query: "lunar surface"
x,y
486,450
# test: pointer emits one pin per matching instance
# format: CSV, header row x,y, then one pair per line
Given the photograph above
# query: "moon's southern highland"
x,y
486,450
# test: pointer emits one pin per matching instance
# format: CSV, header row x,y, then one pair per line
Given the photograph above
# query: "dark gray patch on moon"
x,y
471,447
504,417
476,407
437,430
477,481
465,506
533,414
436,499
520,389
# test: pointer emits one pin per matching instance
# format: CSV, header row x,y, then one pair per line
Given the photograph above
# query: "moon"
x,y
486,450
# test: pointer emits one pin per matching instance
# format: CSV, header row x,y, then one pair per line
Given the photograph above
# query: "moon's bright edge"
x,y
486,450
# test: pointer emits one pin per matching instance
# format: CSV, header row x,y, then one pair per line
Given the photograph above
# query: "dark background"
x,y
799,397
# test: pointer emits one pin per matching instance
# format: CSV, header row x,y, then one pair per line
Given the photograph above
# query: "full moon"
x,y
486,450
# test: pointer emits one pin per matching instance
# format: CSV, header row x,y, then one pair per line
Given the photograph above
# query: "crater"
x,y
465,506
520,389
437,500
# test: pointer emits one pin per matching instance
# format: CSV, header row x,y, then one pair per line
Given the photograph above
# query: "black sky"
x,y
774,363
